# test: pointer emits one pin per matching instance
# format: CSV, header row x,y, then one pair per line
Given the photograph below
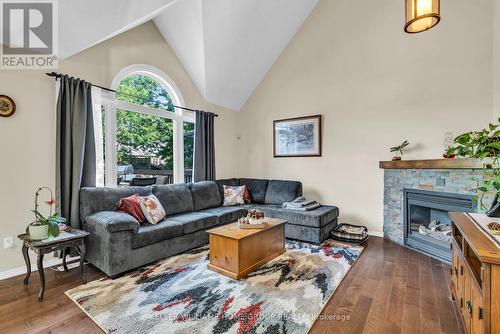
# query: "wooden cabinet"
x,y
476,317
467,305
475,279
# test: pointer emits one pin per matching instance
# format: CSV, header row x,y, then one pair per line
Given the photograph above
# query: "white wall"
x,y
375,87
28,137
496,60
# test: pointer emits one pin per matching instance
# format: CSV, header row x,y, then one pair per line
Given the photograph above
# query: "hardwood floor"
x,y
390,289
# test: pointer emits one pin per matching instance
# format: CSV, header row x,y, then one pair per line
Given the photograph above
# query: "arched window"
x,y
148,139
144,90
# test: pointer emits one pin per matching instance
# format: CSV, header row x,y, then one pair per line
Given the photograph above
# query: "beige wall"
x,y
28,138
375,87
496,61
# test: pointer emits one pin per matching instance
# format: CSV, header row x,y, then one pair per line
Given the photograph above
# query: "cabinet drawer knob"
x,y
468,303
480,313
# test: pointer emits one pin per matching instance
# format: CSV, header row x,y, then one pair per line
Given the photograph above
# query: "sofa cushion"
x,y
233,195
152,209
227,214
112,221
205,195
279,192
257,189
250,206
132,206
229,182
195,221
149,234
94,200
315,218
315,235
175,198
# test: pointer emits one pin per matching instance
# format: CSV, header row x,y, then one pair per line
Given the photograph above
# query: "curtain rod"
x,y
58,75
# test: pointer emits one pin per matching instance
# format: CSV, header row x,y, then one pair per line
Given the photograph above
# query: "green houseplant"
x,y
485,146
43,227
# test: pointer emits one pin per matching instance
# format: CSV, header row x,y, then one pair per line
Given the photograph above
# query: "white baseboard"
x,y
22,270
376,234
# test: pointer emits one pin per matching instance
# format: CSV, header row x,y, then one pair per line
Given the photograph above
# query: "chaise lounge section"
x,y
118,242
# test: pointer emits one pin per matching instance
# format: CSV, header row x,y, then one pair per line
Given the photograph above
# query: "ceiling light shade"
x,y
421,15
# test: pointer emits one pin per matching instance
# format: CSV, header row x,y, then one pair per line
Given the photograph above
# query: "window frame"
x,y
178,117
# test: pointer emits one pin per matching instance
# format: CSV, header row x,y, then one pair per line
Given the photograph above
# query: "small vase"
x,y
38,232
494,211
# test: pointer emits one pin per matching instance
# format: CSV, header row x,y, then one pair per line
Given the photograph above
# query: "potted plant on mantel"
x,y
43,227
485,146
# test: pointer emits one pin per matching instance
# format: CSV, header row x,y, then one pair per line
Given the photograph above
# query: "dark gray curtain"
x,y
75,148
204,148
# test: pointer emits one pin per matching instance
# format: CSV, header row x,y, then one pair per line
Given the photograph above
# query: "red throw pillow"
x,y
132,206
246,195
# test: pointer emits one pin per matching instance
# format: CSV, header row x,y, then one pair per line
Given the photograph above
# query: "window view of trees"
x,y
140,137
188,146
145,142
143,90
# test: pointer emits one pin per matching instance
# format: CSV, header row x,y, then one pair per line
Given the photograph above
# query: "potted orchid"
x,y
43,227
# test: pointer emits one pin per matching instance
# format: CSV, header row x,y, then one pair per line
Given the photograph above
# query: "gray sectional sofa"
x,y
118,242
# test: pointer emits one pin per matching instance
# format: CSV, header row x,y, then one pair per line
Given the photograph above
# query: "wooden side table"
x,y
67,239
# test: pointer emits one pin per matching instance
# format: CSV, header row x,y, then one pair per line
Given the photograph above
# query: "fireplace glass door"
x,y
427,223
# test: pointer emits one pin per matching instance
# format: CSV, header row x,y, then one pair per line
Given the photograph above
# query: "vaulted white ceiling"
x,y
83,24
226,46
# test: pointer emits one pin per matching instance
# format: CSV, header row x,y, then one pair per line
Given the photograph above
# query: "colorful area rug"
x,y
180,295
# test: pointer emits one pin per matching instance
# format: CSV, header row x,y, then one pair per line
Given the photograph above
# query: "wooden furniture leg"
x,y
82,260
28,263
64,253
42,275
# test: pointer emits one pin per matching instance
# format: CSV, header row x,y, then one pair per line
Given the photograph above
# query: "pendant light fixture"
x,y
421,15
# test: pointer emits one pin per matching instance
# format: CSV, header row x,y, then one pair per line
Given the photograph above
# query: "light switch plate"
x,y
8,242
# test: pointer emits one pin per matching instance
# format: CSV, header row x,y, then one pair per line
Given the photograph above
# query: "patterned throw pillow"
x,y
246,195
233,195
152,209
132,206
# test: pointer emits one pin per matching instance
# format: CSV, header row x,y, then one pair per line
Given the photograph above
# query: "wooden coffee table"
x,y
236,252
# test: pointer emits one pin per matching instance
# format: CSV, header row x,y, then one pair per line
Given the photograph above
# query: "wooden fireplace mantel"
x,y
432,164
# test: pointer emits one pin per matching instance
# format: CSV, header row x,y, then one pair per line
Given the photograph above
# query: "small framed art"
x,y
297,137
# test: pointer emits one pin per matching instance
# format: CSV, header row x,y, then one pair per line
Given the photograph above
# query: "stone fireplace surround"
x,y
458,176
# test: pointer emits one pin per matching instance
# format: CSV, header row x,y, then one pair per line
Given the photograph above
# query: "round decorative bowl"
x,y
494,228
254,221
38,232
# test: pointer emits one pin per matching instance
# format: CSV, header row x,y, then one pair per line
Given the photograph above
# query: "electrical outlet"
x,y
8,242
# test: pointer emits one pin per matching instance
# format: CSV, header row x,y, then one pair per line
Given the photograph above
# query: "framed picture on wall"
x,y
297,137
